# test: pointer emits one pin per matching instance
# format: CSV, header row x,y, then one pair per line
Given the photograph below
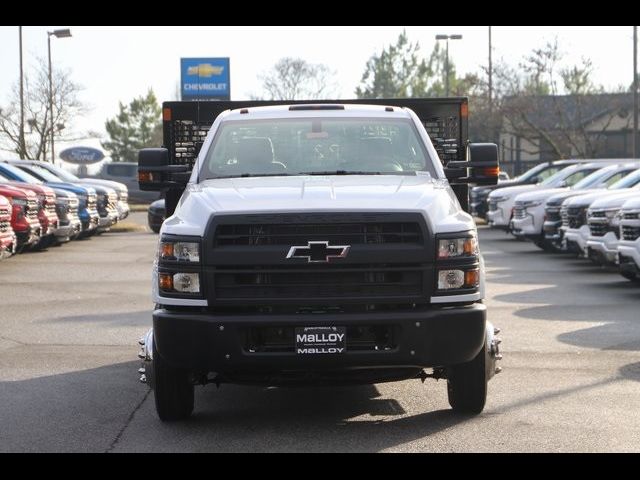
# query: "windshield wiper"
x,y
248,175
340,172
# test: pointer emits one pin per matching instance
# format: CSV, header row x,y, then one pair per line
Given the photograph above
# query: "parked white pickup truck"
x,y
529,210
502,201
629,244
604,227
574,213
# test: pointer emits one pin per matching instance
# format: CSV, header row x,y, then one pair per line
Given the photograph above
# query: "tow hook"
x,y
493,350
146,355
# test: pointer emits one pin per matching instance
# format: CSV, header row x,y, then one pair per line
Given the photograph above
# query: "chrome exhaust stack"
x,y
493,351
146,355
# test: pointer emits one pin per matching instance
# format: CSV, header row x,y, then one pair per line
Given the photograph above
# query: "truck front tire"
x,y
467,384
173,390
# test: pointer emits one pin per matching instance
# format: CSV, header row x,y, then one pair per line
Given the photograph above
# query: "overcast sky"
x,y
118,63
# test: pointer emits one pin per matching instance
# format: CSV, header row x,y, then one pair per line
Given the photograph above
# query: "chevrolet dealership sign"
x,y
205,78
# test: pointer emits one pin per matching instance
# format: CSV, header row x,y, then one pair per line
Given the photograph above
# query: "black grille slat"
x,y
630,233
553,215
598,229
319,283
351,234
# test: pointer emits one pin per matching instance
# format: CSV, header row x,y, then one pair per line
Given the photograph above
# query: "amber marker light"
x,y
166,250
165,281
471,278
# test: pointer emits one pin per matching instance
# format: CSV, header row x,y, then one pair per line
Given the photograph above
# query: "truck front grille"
x,y
631,215
331,281
336,234
553,214
32,210
519,212
630,233
574,217
5,220
598,229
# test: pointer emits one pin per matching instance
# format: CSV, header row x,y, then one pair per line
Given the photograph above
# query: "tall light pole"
x,y
446,59
635,139
490,72
21,140
59,34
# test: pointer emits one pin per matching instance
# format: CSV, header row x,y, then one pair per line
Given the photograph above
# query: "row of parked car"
x,y
589,207
43,205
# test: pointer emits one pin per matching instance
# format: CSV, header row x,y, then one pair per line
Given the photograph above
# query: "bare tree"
x,y
67,107
557,111
296,79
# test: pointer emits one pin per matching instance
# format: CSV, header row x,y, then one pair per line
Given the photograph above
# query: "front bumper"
x,y
430,337
123,210
89,220
8,243
64,233
604,249
578,237
498,218
108,221
629,255
29,237
525,228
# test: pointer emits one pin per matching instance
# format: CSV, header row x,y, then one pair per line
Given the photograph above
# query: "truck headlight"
x,y
180,251
457,279
179,282
179,268
458,247
457,263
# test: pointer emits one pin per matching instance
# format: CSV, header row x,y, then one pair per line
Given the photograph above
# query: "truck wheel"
x,y
173,390
630,276
467,384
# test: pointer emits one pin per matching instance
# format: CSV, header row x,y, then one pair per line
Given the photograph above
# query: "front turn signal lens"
x,y
471,278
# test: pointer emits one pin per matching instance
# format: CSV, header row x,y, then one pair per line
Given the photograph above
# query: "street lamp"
x,y
446,59
64,33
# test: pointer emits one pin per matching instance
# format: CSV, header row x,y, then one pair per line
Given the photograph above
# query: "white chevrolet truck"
x,y
629,244
314,243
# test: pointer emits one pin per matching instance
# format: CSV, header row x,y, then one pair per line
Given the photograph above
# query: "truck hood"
x,y
632,204
117,186
588,199
614,201
511,192
353,193
538,194
72,187
557,198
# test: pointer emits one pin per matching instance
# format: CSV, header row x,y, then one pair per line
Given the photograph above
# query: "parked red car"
x,y
7,235
24,214
47,215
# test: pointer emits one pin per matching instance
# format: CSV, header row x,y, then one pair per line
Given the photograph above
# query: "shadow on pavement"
x,y
104,408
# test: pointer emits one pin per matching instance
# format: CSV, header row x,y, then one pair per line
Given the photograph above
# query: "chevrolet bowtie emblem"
x,y
318,252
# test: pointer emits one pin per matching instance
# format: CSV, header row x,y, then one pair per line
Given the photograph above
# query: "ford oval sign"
x,y
82,155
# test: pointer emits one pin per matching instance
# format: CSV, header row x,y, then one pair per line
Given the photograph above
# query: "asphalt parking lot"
x,y
70,318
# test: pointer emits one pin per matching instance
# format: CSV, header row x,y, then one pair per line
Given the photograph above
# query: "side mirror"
x,y
482,168
156,173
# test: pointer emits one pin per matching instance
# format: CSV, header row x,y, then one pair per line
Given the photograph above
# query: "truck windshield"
x,y
316,146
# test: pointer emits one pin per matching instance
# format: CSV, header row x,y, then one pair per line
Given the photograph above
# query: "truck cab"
x,y
318,243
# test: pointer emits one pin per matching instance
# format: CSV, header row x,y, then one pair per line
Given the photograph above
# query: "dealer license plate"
x,y
321,340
